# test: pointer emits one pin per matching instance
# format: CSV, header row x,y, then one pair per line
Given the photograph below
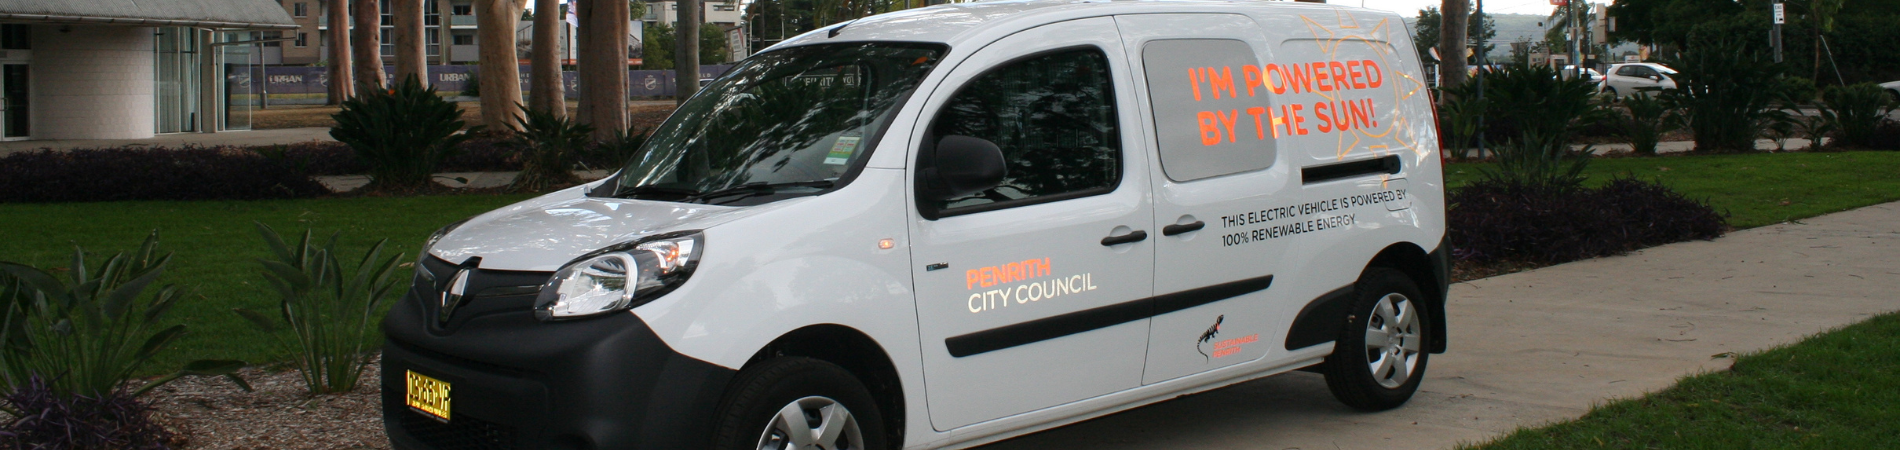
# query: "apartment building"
x,y
450,41
727,14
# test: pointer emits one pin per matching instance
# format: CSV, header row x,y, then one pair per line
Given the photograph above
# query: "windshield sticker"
x,y
1016,285
1297,219
841,151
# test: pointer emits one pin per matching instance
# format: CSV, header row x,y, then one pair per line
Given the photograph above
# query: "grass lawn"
x,y
216,250
1832,391
1756,189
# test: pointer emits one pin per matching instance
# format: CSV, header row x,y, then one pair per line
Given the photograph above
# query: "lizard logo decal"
x,y
1208,336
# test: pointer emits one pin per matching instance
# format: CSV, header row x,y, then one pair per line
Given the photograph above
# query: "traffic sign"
x,y
1780,18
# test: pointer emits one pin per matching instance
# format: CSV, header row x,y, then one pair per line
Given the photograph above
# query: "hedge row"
x,y
222,173
1492,221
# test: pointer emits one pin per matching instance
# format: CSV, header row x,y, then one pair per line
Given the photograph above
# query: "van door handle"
x,y
1171,230
1130,238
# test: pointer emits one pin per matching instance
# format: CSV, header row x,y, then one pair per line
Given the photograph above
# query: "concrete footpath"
x,y
232,138
1541,346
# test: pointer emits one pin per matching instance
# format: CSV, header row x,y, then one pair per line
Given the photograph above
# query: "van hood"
x,y
544,233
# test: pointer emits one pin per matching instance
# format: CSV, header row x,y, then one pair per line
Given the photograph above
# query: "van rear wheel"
x,y
798,403
1379,359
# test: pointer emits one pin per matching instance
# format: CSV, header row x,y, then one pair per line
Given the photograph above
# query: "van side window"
x,y
1211,106
1054,118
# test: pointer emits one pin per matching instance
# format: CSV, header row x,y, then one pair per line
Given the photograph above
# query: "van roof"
x,y
955,23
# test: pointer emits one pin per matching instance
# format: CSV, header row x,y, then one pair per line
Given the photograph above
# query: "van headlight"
x,y
619,277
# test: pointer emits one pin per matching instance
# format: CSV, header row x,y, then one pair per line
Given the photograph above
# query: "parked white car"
x,y
1626,79
1589,75
1893,89
886,233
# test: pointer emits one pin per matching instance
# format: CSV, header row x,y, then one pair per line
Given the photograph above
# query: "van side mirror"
x,y
964,165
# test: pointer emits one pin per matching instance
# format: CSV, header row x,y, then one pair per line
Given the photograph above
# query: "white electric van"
x,y
953,225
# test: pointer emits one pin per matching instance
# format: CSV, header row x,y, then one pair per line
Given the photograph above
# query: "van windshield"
x,y
785,123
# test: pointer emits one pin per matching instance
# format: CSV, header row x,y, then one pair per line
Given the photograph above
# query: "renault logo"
x,y
453,296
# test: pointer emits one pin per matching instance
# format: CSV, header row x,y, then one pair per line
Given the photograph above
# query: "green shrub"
x,y
90,330
1524,103
1796,90
550,147
1643,119
1459,117
328,308
617,150
1726,93
473,86
1854,112
404,133
1539,161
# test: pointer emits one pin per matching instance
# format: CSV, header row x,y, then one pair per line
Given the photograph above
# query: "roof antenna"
x,y
834,31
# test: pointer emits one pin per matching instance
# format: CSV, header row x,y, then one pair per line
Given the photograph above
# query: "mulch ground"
x,y
214,414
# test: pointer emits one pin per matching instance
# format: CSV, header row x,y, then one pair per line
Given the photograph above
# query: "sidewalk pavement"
x,y
234,138
1535,347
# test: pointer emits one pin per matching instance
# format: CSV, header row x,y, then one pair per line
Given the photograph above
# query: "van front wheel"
x,y
798,403
1378,361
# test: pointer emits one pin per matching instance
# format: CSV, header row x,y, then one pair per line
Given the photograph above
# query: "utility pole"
x,y
1482,68
1775,39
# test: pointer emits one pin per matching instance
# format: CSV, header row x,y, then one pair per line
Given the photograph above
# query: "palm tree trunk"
x,y
368,47
544,80
500,67
607,88
686,60
1455,16
411,54
342,84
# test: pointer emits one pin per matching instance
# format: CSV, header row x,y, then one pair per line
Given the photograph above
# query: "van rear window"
x,y
1211,116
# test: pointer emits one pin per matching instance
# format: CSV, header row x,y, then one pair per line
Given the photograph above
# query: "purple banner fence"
x,y
454,79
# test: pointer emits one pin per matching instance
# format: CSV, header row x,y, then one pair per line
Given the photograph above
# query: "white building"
x,y
727,14
128,69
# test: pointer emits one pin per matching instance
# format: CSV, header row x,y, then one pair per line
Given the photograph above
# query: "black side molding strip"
x,y
1314,174
1319,322
1097,318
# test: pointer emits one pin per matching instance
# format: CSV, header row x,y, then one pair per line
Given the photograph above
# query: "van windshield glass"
x,y
785,123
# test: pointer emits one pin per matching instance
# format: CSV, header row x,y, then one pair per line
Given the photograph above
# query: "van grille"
x,y
462,433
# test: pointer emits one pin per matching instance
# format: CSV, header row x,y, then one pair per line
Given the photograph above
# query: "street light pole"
x,y
1482,68
1776,38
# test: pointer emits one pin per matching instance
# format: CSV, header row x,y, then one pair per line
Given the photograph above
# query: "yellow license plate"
x,y
429,396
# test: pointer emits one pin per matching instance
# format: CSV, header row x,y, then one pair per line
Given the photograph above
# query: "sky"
x,y
1409,8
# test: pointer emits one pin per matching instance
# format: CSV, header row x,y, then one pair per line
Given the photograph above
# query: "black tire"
x,y
1349,370
759,392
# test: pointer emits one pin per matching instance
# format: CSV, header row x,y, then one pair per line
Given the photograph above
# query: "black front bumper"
x,y
519,383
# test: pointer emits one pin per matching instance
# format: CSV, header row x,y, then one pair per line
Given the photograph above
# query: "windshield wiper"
x,y
651,189
757,188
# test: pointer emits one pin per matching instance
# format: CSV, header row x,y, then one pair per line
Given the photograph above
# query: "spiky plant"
x,y
93,330
327,306
550,147
403,133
